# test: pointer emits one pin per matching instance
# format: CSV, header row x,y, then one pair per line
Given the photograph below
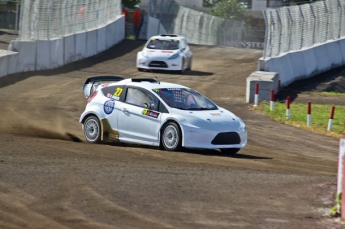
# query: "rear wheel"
x,y
171,138
230,150
140,69
92,129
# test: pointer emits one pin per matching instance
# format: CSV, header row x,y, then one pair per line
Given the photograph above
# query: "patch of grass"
x,y
130,37
320,115
330,93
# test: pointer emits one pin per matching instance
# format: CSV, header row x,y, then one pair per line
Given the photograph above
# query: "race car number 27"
x,y
118,92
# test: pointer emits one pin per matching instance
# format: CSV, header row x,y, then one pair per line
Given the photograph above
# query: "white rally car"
x,y
149,112
165,52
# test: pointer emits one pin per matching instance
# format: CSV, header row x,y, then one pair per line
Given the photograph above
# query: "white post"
x,y
340,173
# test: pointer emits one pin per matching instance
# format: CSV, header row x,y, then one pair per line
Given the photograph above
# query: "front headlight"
x,y
174,56
144,54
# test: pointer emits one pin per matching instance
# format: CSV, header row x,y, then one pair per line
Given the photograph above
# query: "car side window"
x,y
141,98
113,92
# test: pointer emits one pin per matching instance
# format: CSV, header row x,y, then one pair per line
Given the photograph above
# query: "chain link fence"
x,y
298,27
50,19
198,27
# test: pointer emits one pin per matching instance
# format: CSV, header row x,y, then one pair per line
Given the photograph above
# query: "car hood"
x,y
160,53
220,120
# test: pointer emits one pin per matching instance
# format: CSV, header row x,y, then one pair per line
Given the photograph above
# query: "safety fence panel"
x,y
198,27
298,27
50,19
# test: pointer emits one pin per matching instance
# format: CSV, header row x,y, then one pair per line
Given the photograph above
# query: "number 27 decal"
x,y
118,91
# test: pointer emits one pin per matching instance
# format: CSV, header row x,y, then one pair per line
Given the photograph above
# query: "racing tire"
x,y
92,129
230,150
171,137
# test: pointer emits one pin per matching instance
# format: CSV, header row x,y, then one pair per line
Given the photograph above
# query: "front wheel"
x,y
171,137
230,150
92,129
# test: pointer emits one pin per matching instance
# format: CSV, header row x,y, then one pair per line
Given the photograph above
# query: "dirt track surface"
x,y
51,178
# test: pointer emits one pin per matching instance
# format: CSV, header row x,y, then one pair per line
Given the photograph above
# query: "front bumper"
x,y
150,63
211,139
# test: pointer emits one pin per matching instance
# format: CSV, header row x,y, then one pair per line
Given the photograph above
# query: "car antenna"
x,y
157,80
155,77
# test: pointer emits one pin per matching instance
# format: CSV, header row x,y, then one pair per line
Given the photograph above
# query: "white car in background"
x,y
165,52
149,112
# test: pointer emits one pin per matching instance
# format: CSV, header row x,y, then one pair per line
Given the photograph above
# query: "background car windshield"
x,y
163,44
185,99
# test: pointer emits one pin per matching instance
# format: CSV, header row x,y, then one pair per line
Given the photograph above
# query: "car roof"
x,y
148,83
169,36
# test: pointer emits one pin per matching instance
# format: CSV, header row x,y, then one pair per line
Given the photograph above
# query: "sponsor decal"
x,y
113,97
118,92
215,114
150,113
108,106
157,90
174,89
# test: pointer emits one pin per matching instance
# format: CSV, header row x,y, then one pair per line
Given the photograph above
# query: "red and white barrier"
x,y
309,114
288,114
330,121
272,100
256,95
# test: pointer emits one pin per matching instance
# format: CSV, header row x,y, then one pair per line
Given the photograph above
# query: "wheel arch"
x,y
179,126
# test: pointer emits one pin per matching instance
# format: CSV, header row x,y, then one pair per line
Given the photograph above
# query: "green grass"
x,y
320,114
330,93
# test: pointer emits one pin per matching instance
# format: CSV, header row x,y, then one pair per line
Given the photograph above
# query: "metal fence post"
x,y
327,11
314,27
340,17
280,31
302,27
290,29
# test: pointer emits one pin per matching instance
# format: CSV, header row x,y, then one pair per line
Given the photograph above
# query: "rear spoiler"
x,y
91,84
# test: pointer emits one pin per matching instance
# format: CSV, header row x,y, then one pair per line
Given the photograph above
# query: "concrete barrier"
x,y
80,46
26,60
154,27
25,56
56,53
305,63
12,62
43,55
101,39
3,62
266,80
91,43
69,49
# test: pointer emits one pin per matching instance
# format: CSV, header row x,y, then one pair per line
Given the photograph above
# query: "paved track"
x,y
284,178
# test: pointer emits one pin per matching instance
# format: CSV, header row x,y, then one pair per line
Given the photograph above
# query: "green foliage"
x,y
230,9
130,3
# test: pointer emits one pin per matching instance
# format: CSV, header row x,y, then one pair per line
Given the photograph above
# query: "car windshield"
x,y
163,44
185,99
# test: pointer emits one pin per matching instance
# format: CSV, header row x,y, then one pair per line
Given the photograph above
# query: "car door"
x,y
138,119
113,93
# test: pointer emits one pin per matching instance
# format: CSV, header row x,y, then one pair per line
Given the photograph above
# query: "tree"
x,y
230,9
130,3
